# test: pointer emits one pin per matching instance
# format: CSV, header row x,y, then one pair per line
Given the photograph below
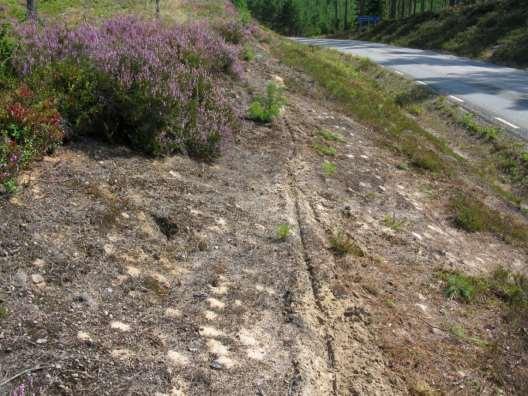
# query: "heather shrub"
x,y
29,127
152,86
233,31
266,108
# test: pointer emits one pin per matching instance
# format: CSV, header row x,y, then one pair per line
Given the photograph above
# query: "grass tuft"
x,y
331,136
283,232
343,245
3,312
502,284
248,53
461,287
392,222
472,215
329,168
325,150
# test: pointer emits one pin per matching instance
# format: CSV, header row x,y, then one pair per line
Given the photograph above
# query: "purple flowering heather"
x,y
129,47
176,65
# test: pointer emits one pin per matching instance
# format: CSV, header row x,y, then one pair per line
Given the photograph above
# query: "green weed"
x,y
3,312
329,168
325,150
391,221
266,108
248,53
10,186
331,136
461,287
469,122
502,284
283,232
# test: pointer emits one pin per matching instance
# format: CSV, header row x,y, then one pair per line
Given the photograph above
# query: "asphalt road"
x,y
499,94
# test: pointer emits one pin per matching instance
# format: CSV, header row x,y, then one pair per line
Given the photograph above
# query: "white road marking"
x,y
507,123
421,82
455,98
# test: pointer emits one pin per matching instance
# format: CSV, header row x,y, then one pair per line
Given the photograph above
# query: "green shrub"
x,y
512,288
7,46
10,186
234,32
243,10
30,126
266,108
421,157
96,105
461,287
470,215
248,53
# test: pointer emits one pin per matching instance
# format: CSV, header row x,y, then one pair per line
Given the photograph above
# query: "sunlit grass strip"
x,y
347,81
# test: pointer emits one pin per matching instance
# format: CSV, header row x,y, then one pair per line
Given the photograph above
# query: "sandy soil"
x,y
128,275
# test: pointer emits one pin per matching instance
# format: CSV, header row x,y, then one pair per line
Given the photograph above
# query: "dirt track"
x,y
165,276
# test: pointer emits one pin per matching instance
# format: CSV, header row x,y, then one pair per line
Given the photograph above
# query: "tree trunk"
x,y
346,15
336,15
31,6
392,14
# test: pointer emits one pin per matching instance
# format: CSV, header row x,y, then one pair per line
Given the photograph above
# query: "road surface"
x,y
499,94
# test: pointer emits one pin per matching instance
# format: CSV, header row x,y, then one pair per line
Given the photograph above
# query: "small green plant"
x,y
325,150
469,122
248,53
3,312
391,221
461,287
512,288
266,108
283,232
329,168
470,215
342,245
331,136
427,160
503,284
10,186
